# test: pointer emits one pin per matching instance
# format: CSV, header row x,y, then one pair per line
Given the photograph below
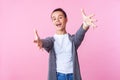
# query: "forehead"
x,y
57,13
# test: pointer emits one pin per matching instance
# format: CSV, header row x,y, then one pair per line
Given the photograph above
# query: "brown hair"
x,y
60,9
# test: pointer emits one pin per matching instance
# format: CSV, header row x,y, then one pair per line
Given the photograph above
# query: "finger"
x,y
40,46
83,13
93,25
36,34
35,41
92,15
94,20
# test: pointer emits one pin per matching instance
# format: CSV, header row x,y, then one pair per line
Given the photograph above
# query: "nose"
x,y
57,19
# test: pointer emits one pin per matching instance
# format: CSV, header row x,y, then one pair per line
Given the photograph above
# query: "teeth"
x,y
58,24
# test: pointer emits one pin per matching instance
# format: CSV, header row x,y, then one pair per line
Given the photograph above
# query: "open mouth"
x,y
58,25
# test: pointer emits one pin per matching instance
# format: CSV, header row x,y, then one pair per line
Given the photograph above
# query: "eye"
x,y
60,17
54,19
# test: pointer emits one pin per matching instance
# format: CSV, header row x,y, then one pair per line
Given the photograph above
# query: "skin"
x,y
59,21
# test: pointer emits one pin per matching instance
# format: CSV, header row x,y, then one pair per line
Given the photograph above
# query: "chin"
x,y
59,29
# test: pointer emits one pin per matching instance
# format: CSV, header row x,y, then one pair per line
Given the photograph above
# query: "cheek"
x,y
64,22
53,22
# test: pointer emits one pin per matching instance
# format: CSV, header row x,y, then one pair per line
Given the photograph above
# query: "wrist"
x,y
85,26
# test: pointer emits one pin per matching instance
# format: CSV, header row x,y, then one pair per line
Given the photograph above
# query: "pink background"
x,y
20,59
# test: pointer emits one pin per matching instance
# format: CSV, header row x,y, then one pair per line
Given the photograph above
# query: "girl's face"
x,y
59,20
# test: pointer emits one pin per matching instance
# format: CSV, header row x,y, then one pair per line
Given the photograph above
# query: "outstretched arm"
x,y
47,43
87,22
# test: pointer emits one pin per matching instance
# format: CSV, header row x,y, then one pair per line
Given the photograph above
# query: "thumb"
x,y
36,34
83,12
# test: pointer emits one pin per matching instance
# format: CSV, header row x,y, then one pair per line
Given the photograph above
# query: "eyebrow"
x,y
53,17
58,16
61,15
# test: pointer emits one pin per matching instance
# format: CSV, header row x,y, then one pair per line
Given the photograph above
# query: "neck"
x,y
61,32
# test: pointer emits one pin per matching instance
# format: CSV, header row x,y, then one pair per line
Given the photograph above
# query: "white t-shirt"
x,y
63,50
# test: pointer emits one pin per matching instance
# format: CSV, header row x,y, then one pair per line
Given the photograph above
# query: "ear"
x,y
66,20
